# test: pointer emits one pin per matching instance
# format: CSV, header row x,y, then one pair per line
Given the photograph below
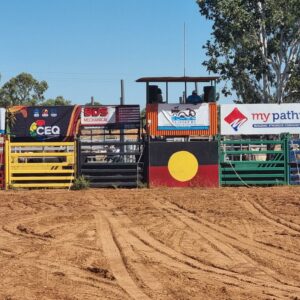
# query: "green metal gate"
x,y
253,162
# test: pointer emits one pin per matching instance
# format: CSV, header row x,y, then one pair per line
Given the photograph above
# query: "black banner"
x,y
128,114
46,123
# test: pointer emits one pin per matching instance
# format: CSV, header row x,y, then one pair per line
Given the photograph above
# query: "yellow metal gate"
x,y
40,164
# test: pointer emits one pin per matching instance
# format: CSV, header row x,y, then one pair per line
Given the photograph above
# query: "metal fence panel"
x,y
253,162
110,163
40,164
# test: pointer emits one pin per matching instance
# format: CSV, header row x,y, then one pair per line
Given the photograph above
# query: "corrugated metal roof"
x,y
177,79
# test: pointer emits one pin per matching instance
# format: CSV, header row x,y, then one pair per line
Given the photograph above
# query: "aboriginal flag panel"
x,y
183,164
44,123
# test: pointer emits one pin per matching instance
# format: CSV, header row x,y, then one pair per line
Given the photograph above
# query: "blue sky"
x,y
82,48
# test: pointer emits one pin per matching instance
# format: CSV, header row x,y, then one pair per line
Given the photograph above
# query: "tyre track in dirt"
x,y
160,252
157,251
115,259
259,211
219,250
133,261
17,229
241,262
168,252
36,227
178,233
70,272
232,237
239,242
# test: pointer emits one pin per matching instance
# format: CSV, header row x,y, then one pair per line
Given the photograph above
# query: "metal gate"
x,y
253,162
40,164
294,161
110,158
2,160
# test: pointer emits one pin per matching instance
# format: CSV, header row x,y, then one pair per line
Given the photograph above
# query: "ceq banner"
x,y
183,116
42,123
248,119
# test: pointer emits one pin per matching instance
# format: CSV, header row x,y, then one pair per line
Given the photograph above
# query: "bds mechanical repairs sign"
x,y
183,116
2,120
260,119
98,115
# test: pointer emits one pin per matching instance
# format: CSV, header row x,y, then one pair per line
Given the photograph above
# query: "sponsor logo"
x,y
236,119
186,114
36,113
276,117
95,111
39,129
53,112
45,113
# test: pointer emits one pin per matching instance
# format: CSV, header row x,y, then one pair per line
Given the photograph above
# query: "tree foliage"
x,y
59,101
95,103
22,90
255,45
294,86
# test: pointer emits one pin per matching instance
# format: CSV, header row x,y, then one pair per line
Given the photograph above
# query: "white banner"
x,y
98,115
260,119
2,120
183,116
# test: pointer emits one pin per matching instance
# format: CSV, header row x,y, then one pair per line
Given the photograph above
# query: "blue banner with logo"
x,y
183,116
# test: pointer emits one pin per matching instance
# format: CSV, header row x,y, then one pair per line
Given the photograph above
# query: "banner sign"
x,y
98,115
110,115
2,120
260,119
183,116
128,114
45,123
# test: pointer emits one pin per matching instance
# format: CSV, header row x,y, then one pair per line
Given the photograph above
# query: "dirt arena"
x,y
229,243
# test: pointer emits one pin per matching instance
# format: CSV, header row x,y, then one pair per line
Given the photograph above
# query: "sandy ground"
x,y
229,243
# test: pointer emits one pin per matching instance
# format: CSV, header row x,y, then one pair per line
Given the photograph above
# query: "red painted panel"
x,y
207,176
1,162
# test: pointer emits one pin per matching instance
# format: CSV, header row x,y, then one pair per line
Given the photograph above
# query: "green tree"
x,y
96,103
255,45
59,101
294,86
143,113
22,90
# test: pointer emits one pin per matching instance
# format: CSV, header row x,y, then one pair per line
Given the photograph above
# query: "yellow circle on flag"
x,y
183,166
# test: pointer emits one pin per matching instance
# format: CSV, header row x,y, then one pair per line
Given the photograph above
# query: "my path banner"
x,y
251,119
44,123
2,120
183,116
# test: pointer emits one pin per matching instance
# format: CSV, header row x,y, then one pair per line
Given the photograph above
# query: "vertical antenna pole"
x,y
184,64
184,49
122,131
122,98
